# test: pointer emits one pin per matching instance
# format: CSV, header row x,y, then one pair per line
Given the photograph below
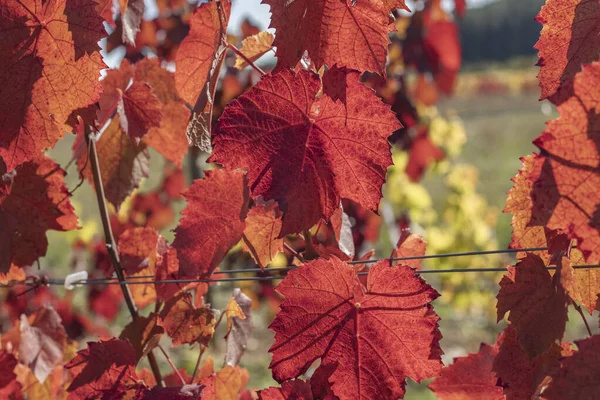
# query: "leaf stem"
x,y
580,311
111,245
294,252
181,379
202,350
250,62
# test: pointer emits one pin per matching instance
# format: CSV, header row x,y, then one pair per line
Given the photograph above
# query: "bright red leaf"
x,y
578,376
410,245
49,69
469,377
537,304
293,389
378,335
212,222
519,376
352,34
7,366
106,369
570,38
565,175
33,199
137,249
304,152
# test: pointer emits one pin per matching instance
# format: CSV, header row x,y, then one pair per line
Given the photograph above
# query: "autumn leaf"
x,y
379,334
132,12
565,175
9,386
138,107
469,377
537,304
233,310
185,323
578,375
42,342
49,69
123,163
335,33
570,38
304,152
106,301
106,369
143,333
169,138
228,383
292,389
240,330
212,222
423,152
410,245
441,45
137,249
342,230
520,377
254,47
261,236
33,200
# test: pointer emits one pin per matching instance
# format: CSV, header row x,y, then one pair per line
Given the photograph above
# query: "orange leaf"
x,y
254,47
261,236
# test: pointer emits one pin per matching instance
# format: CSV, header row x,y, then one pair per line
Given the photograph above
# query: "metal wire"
x,y
139,280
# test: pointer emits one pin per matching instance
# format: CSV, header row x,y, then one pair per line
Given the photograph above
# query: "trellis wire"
x,y
138,280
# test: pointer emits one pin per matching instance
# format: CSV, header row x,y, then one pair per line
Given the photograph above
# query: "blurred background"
x,y
453,166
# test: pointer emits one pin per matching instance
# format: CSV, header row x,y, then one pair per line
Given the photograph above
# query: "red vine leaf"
x,y
123,163
137,249
520,377
261,236
578,375
410,245
304,152
186,324
254,47
293,389
570,38
469,377
106,369
566,174
217,203
33,200
335,33
43,339
379,334
168,138
198,51
49,48
537,304
10,388
143,333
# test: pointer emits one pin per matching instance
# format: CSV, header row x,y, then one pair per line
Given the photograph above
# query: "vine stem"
x,y
183,382
580,311
111,245
294,252
200,354
239,53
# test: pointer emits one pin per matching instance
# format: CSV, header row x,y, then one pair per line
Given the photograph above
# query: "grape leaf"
x,y
123,163
441,45
423,152
233,310
379,334
43,340
137,249
304,152
186,324
50,68
578,376
335,33
293,389
106,301
519,376
8,362
33,199
240,330
106,369
469,377
570,37
132,12
410,245
217,203
143,333
537,304
565,174
254,47
197,52
261,236
168,138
